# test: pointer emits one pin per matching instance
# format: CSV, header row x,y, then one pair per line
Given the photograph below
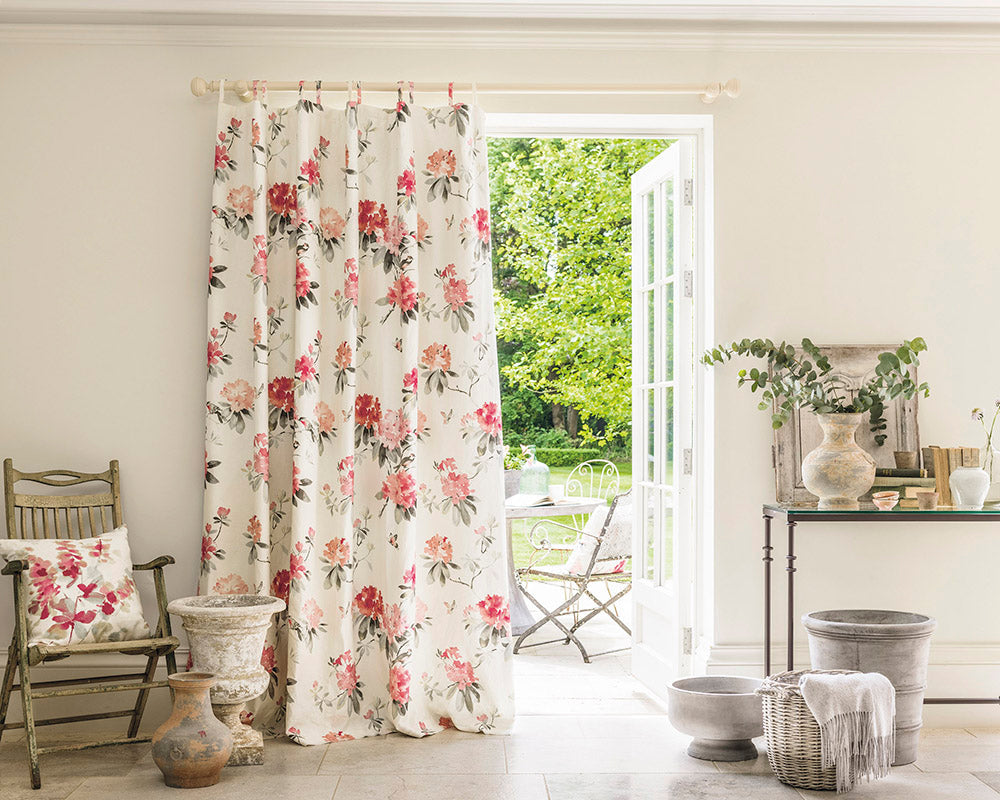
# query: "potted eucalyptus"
x,y
512,463
839,470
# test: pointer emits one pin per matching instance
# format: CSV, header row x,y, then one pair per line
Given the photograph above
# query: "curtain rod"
x,y
709,92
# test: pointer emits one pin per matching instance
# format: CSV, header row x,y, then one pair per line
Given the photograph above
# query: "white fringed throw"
x,y
856,716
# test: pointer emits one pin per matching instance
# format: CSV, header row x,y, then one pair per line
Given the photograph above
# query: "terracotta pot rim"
x,y
194,680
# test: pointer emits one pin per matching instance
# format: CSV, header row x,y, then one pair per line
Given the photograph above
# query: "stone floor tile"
x,y
441,787
715,786
958,758
442,754
16,785
557,727
950,736
104,761
991,779
599,755
904,785
235,783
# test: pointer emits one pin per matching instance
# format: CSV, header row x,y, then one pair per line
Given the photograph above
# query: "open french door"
x,y
663,260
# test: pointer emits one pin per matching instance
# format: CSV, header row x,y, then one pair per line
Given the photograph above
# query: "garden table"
x,y
520,615
794,515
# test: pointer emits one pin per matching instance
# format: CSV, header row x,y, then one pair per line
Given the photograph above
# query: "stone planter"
x,y
227,633
721,712
192,746
839,471
894,643
511,482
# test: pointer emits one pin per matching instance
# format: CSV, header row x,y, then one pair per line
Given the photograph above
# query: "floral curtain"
x,y
352,459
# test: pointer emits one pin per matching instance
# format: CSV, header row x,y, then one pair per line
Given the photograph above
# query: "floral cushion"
x,y
616,546
79,590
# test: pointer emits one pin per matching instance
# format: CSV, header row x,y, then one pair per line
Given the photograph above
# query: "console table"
x,y
794,515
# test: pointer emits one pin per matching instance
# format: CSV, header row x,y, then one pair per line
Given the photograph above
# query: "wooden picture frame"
x,y
801,434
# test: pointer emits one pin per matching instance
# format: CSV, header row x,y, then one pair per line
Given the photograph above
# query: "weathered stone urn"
x,y
192,746
839,471
226,633
721,712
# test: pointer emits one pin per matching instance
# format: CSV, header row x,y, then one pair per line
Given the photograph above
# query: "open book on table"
x,y
528,500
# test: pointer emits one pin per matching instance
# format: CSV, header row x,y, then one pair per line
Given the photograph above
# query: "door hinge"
x,y
688,461
688,283
689,191
687,644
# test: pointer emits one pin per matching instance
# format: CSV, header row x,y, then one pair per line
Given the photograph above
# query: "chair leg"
x,y
552,616
606,607
7,689
29,716
140,701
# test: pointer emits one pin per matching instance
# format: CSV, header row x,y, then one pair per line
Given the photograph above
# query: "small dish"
x,y
927,501
885,501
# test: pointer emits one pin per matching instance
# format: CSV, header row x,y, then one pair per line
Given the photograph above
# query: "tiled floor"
x,y
583,732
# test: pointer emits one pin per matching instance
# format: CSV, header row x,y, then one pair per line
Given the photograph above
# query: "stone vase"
x,y
839,470
192,746
722,712
894,643
227,633
969,487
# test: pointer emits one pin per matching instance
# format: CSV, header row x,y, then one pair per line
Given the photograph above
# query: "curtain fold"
x,y
353,461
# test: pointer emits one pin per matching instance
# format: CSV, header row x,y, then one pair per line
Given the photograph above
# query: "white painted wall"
x,y
856,202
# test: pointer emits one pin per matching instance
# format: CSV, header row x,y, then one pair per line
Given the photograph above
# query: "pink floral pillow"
x,y
79,590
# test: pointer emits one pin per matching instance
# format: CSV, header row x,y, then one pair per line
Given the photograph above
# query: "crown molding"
x,y
972,39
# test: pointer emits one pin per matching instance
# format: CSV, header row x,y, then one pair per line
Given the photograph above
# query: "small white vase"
x,y
969,487
839,470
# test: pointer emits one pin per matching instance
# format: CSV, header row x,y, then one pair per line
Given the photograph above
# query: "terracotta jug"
x,y
192,746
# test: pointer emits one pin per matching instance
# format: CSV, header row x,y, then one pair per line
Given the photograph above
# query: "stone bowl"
x,y
721,712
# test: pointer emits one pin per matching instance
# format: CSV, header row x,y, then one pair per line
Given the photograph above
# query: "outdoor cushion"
x,y
79,590
616,546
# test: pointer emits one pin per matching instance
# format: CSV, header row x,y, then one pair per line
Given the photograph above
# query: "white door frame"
x,y
667,126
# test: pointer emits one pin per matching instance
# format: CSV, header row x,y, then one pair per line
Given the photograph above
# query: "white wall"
x,y
856,202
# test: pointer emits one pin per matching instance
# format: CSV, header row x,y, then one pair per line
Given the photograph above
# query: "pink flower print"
x,y
455,485
280,584
259,266
312,612
346,470
368,602
235,123
258,331
392,236
296,566
438,548
410,380
221,155
410,576
495,611
325,418
460,673
403,293
422,228
482,222
67,620
400,489
239,394
456,293
338,551
406,183
267,658
302,284
282,200
281,394
208,549
305,369
437,356
344,355
331,224
445,722
254,529
367,410
370,217
261,461
255,136
393,428
421,611
231,584
215,353
441,162
394,622
351,280
399,685
347,678
310,171
240,200
421,423
488,417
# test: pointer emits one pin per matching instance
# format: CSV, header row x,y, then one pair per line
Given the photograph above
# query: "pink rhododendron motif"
x,y
441,163
239,394
436,356
331,224
488,417
231,584
399,685
240,199
495,611
393,428
400,488
338,551
403,293
438,548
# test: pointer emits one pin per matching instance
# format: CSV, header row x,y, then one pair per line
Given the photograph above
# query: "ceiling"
x,y
290,12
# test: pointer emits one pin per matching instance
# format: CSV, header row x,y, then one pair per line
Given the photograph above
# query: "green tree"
x,y
561,221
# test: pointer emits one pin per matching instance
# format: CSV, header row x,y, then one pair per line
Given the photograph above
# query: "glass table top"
x,y
868,511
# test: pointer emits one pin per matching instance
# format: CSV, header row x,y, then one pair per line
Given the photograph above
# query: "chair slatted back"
x,y
595,478
61,516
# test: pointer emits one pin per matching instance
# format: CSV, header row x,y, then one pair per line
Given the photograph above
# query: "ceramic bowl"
x,y
721,712
885,501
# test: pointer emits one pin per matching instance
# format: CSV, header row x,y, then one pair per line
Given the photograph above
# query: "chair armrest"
x,y
15,567
156,563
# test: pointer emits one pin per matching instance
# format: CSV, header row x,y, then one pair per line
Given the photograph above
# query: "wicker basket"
x,y
791,732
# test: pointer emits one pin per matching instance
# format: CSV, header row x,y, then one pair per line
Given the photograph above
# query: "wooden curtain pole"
x,y
709,92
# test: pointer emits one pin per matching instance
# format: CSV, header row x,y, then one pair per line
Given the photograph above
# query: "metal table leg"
x,y
767,594
790,569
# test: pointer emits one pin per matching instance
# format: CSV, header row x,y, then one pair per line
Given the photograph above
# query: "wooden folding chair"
x,y
33,516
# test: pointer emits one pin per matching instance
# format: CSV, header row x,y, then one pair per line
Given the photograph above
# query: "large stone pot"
x,y
839,471
227,633
894,643
192,746
722,712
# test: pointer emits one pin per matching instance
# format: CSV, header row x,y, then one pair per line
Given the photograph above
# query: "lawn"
x,y
557,477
